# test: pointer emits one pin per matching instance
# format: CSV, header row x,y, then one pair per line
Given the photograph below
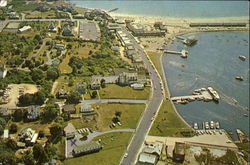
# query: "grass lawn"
x,y
155,58
60,147
114,145
168,123
130,114
126,92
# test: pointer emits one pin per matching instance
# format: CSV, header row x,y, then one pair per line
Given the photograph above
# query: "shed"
x,y
148,159
69,108
88,148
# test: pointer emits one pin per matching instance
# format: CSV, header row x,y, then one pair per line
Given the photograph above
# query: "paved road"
x,y
114,101
153,105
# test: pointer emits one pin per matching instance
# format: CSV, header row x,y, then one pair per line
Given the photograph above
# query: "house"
x,y
95,83
14,15
179,152
81,88
28,136
6,134
52,28
67,30
126,78
59,46
62,94
137,86
69,131
87,148
33,113
21,145
86,109
69,108
147,159
3,71
24,29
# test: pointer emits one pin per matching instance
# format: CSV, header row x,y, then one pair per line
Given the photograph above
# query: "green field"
x,y
114,145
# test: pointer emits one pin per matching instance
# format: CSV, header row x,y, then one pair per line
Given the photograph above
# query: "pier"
x,y
183,53
202,94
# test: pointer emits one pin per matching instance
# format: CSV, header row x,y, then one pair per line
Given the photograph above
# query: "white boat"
x,y
211,124
206,125
243,58
215,95
217,125
195,126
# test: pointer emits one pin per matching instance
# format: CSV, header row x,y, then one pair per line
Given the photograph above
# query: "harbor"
x,y
205,94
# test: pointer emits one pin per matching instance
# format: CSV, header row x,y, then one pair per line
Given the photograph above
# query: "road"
x,y
150,111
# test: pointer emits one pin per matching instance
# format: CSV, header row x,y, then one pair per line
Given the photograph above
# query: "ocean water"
x,y
214,62
197,9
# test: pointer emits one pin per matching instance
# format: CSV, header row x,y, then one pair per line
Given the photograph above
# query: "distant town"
x,y
80,86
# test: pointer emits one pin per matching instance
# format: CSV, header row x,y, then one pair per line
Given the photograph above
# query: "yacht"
x,y
215,95
243,58
240,78
211,124
217,125
206,125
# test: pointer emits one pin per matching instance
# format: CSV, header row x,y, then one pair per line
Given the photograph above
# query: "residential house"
x,y
60,46
67,30
95,83
179,152
69,108
137,86
126,78
87,148
52,28
24,29
62,94
81,88
3,71
28,136
21,145
147,159
33,113
69,131
14,15
87,110
6,134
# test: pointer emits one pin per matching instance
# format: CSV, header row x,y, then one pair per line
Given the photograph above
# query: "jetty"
x,y
183,53
189,41
202,94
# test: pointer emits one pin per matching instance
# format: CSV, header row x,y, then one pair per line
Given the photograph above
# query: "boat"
x,y
240,78
195,126
246,115
243,58
190,41
215,95
211,124
206,125
217,125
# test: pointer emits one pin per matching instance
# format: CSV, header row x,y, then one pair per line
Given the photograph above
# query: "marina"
x,y
204,94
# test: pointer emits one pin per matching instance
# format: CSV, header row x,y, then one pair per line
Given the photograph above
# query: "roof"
x,y
86,108
91,146
25,28
179,148
154,148
69,107
147,158
6,133
69,129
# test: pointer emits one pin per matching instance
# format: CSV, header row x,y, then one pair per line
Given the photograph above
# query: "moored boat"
x,y
240,78
243,58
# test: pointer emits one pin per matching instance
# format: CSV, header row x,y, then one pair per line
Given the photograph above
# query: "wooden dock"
x,y
183,53
204,95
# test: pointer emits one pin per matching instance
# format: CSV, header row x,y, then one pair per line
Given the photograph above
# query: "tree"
x,y
50,113
18,115
74,97
28,158
41,134
50,150
11,144
115,119
8,158
1,130
25,99
103,85
37,75
13,128
2,122
52,74
56,131
118,113
39,154
39,97
94,94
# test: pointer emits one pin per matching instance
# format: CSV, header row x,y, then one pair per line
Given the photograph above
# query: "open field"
x,y
114,145
130,114
126,92
168,123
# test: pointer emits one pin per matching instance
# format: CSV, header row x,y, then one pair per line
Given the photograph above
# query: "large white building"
x,y
3,71
24,29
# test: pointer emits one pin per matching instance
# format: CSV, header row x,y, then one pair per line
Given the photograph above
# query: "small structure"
x,y
6,134
126,78
21,145
147,159
81,88
62,94
3,71
137,86
14,15
179,152
5,113
69,108
28,136
88,148
69,131
95,83
67,30
33,113
24,29
52,28
86,109
60,46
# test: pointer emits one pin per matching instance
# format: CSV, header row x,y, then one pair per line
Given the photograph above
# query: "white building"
x,y
3,71
24,29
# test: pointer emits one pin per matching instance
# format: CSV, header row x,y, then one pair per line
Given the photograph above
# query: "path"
x,y
130,101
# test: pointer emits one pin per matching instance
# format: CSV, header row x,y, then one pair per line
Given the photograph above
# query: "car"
x,y
125,155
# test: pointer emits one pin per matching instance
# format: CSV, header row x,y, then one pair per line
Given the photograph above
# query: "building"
x,y
13,15
179,152
3,71
60,46
6,134
69,131
126,78
81,88
95,83
67,30
69,108
5,113
89,31
87,110
33,113
62,94
28,136
147,159
88,148
52,28
24,29
137,86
